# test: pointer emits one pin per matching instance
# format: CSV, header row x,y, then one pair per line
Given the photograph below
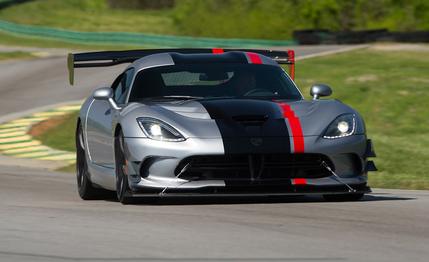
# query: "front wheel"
x,y
85,188
122,186
344,197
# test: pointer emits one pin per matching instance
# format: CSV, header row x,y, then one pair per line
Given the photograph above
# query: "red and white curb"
x,y
16,142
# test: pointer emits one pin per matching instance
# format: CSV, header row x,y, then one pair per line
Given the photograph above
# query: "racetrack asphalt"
x,y
43,219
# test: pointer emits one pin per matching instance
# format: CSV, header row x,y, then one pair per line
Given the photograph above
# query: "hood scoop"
x,y
250,120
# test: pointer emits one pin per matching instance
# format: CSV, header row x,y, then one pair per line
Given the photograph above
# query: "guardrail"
x,y
135,39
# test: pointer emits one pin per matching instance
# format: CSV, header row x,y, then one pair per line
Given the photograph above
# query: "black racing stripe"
x,y
249,126
228,57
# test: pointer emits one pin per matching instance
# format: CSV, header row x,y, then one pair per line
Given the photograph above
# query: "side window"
x,y
122,85
118,88
128,78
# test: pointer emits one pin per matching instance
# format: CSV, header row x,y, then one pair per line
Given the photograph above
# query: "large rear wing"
x,y
111,58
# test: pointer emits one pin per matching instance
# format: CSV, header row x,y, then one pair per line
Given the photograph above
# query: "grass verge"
x,y
389,89
82,15
91,16
57,132
14,55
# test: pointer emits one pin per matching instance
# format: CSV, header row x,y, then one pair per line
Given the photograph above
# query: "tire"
x,y
85,188
343,197
122,185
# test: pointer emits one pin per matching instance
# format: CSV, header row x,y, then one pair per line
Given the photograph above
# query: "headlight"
x,y
158,130
342,126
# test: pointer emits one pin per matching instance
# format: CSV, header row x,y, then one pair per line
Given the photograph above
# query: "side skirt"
x,y
102,176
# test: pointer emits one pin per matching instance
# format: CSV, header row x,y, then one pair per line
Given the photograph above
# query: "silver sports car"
x,y
215,122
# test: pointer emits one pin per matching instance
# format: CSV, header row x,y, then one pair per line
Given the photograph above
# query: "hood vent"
x,y
251,120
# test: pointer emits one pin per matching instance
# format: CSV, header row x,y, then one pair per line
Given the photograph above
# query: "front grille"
x,y
254,167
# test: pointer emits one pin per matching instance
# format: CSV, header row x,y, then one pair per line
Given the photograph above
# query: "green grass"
x,y
82,15
389,89
15,55
61,136
94,15
264,19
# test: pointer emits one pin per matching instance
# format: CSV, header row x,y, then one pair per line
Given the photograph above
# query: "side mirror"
x,y
319,90
103,93
106,94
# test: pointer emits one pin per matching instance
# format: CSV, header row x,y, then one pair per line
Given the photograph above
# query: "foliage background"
x,y
278,18
263,19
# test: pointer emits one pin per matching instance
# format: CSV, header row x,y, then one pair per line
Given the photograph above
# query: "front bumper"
x,y
221,192
157,167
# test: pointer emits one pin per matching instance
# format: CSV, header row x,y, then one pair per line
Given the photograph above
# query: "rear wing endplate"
x,y
111,58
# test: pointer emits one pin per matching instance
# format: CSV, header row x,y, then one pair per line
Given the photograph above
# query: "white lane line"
x,y
36,154
50,114
25,150
12,134
332,52
28,120
14,129
20,145
12,125
68,156
68,108
15,139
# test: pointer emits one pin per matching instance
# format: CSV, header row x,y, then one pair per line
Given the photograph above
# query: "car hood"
x,y
242,117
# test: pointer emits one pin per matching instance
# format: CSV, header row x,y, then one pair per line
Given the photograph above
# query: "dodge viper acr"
x,y
215,122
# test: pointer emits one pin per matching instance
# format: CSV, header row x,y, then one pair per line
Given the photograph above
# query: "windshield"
x,y
214,81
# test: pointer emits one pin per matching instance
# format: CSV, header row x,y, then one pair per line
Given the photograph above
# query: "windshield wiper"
x,y
218,97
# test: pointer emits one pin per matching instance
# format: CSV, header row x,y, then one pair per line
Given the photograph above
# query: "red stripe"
x,y
295,126
299,181
217,50
254,58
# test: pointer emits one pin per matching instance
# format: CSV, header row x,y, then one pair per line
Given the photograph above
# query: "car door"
x,y
100,123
